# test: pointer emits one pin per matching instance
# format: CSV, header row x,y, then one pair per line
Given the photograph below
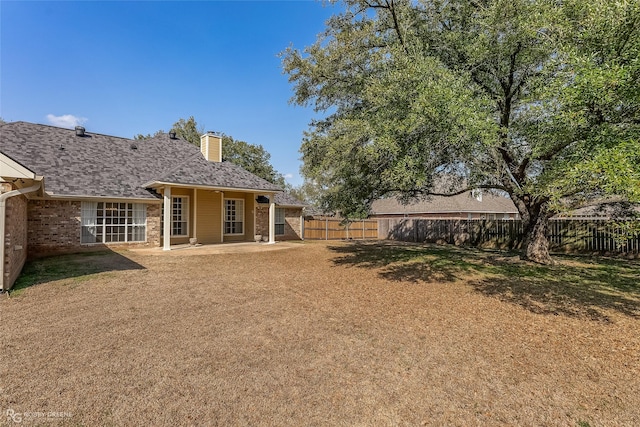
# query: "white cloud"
x,y
288,175
66,120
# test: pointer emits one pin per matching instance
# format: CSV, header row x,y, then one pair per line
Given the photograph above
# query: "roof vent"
x,y
172,134
79,131
134,146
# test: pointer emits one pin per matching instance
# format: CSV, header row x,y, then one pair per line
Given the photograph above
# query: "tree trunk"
x,y
536,244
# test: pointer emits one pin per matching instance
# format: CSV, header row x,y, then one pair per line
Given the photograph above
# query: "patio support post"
x,y
166,230
272,220
194,233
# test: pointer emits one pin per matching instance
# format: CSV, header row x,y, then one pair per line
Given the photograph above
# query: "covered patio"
x,y
212,215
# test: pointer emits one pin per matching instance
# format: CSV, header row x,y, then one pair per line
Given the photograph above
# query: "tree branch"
x,y
451,194
390,6
555,150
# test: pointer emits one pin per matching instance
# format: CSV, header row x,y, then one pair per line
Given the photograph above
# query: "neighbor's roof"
x,y
286,199
613,209
465,202
99,165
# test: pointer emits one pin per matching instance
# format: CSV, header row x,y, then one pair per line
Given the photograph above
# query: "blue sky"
x,y
124,68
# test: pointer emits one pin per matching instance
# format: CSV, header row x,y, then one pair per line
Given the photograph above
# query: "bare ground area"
x,y
322,334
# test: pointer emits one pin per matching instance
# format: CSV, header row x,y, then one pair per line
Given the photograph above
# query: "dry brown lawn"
x,y
322,334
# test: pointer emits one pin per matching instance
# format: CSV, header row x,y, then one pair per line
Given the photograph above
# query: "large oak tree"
x,y
536,99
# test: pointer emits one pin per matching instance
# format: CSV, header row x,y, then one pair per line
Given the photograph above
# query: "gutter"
x,y
160,184
3,211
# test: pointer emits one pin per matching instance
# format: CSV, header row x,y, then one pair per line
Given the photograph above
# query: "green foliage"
x,y
308,192
536,98
147,136
188,130
251,157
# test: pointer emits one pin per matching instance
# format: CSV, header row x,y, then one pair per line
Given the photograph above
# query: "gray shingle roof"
x,y
196,170
107,166
439,204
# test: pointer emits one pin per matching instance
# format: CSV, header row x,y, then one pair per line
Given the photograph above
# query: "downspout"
x,y
3,212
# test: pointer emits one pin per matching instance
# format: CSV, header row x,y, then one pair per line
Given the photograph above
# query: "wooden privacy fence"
x,y
565,235
336,229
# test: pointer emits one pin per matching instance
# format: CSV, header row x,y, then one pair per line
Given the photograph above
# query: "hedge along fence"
x,y
565,235
336,229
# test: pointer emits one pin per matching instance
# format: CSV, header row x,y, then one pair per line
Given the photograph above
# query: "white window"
x,y
279,221
179,216
233,216
106,222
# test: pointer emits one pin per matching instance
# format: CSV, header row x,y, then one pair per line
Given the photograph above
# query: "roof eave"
x,y
11,168
160,184
50,196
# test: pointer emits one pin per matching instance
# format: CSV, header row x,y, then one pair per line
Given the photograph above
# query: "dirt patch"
x,y
321,334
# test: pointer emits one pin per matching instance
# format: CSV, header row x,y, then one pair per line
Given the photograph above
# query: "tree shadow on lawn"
x,y
578,286
72,266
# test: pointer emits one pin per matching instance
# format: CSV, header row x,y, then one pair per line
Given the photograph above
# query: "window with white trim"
x,y
233,216
107,222
279,221
179,217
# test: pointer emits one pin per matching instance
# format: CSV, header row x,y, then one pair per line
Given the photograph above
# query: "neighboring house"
x,y
604,211
470,205
69,190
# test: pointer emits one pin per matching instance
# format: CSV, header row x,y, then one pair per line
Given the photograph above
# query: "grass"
x,y
579,286
324,334
74,268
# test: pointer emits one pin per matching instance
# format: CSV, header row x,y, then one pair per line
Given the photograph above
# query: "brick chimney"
x,y
211,146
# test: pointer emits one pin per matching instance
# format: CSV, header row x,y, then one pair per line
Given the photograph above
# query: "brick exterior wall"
x,y
15,249
53,227
153,224
292,225
262,220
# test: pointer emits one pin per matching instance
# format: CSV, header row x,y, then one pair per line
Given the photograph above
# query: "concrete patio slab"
x,y
221,248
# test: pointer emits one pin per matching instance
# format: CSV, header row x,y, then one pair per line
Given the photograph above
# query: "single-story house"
x,y
68,190
474,204
605,210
